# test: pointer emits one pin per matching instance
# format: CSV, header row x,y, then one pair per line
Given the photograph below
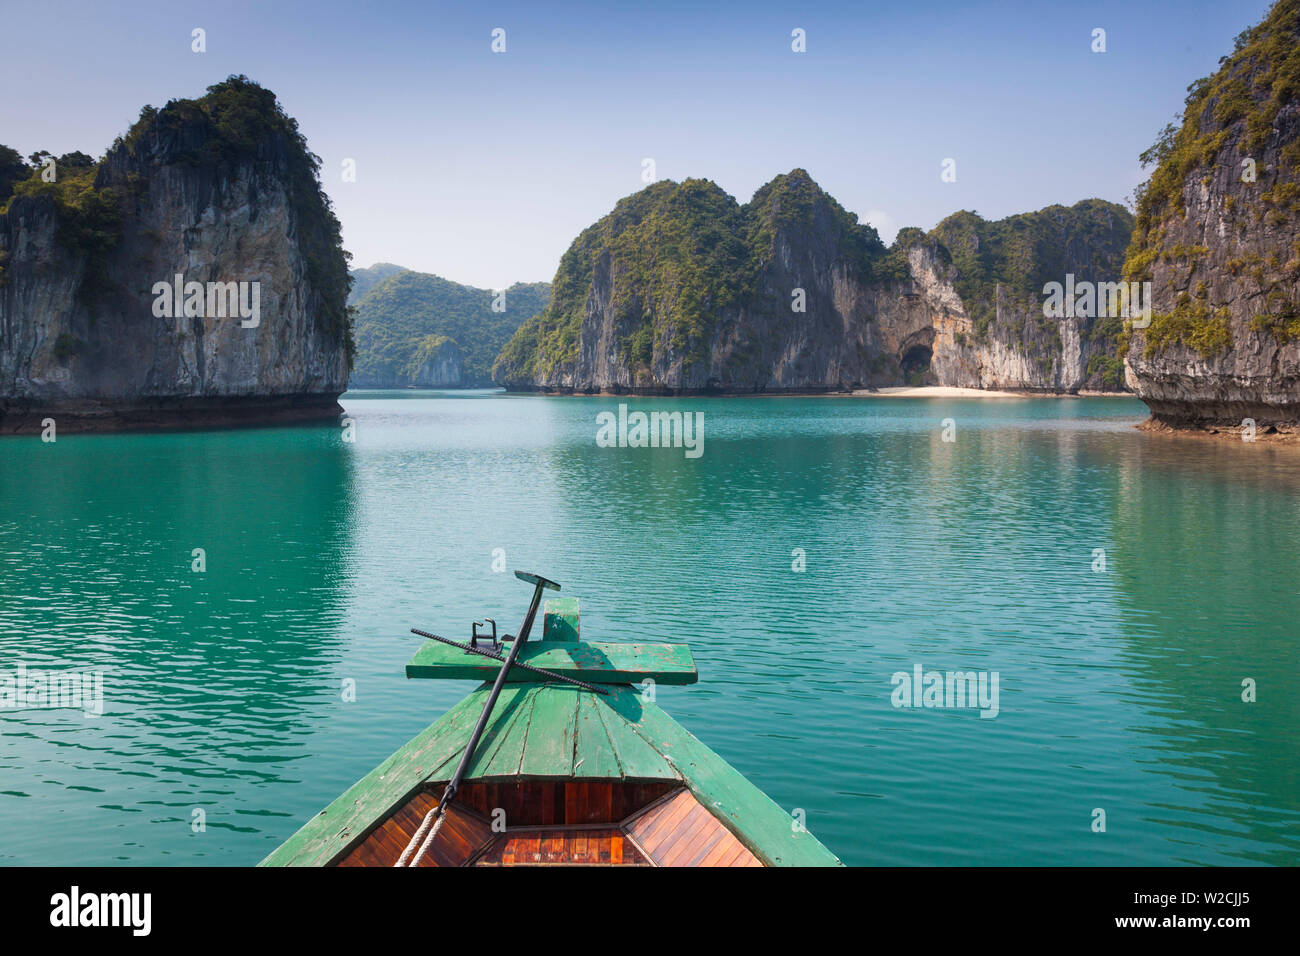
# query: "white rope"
x,y
419,836
428,842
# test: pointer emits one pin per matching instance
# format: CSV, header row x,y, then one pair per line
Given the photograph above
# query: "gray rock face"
x,y
894,319
1231,255
1020,350
443,368
763,346
440,364
1221,249
79,338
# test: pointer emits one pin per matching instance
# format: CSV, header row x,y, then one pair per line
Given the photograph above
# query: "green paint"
x,y
593,661
594,755
548,751
561,620
499,752
556,726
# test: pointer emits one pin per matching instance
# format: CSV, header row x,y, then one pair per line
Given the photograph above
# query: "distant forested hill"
x,y
413,328
363,280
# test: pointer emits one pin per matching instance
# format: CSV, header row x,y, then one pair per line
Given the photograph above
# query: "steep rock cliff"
x,y
440,363
1216,234
681,289
221,189
999,270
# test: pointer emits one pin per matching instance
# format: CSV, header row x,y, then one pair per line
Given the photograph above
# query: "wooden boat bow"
x,y
565,761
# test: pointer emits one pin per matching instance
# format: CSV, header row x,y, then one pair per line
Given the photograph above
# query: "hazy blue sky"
x,y
482,167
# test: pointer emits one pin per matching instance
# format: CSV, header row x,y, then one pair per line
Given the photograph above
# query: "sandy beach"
x,y
952,391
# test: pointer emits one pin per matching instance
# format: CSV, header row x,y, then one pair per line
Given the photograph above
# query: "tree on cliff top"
x,y
1253,84
12,170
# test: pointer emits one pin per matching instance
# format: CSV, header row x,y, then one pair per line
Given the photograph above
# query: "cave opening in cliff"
x,y
915,364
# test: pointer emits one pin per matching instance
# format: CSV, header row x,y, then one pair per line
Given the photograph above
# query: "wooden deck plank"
x,y
461,836
502,746
639,760
548,751
562,847
593,754
723,849
734,855
707,845
682,832
647,744
653,827
698,828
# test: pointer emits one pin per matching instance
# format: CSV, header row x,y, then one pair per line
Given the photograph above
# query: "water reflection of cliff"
x,y
208,674
1206,543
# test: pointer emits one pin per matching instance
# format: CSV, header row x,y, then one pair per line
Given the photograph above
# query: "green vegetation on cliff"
x,y
672,258
12,171
792,204
673,250
1253,84
404,319
1228,120
894,267
1022,253
88,215
1191,323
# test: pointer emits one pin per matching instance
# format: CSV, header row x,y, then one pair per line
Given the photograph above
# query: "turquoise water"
x,y
1119,689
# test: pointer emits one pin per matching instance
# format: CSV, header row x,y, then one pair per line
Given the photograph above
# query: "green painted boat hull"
x,y
556,732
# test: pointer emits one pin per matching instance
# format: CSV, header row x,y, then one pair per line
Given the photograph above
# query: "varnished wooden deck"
x,y
679,831
563,846
463,836
571,823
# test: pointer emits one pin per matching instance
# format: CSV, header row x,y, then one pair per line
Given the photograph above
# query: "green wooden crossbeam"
x,y
597,662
